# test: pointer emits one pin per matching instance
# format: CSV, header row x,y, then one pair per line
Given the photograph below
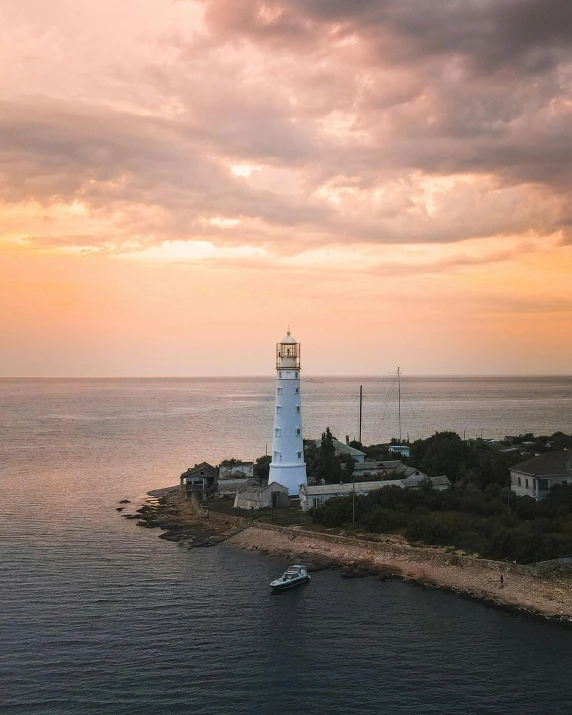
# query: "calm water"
x,y
98,616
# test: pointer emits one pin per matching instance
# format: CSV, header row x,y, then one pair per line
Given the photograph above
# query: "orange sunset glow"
x,y
180,180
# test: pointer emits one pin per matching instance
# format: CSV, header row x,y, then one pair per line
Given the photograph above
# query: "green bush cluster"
x,y
494,523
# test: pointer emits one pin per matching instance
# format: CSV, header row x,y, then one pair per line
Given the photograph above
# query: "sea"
x,y
98,616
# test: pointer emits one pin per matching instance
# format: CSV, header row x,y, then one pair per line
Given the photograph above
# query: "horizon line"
x,y
384,376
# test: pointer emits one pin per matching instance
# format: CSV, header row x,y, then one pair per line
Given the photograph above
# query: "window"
x,y
297,390
519,482
297,375
298,432
278,409
526,483
279,391
276,454
277,432
299,455
297,408
279,374
543,484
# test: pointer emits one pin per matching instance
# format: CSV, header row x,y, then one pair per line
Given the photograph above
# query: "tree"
x,y
230,462
329,466
311,457
262,467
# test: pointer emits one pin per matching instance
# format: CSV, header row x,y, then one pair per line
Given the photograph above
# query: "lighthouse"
x,y
288,467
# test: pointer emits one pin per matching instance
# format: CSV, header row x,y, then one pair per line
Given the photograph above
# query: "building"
x,y
316,495
237,469
252,495
440,483
288,467
535,477
198,478
387,467
402,449
343,449
228,486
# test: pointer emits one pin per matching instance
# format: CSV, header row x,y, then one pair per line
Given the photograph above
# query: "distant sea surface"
x,y
100,616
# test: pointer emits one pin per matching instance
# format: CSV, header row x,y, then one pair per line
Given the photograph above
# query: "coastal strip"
x,y
520,591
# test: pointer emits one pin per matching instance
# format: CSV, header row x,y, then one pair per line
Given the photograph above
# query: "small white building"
x,y
535,477
252,495
402,449
239,469
316,495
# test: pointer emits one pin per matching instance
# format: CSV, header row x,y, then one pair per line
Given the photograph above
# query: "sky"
x,y
182,180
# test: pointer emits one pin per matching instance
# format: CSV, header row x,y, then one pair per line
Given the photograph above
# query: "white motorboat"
x,y
294,576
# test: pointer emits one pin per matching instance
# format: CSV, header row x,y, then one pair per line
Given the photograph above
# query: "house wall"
x,y
262,500
525,485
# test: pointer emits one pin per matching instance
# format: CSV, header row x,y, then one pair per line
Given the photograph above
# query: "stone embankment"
x,y
522,589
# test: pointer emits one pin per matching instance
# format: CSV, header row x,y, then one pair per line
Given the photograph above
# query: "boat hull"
x,y
289,585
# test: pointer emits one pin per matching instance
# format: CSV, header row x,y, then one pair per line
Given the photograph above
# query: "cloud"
x,y
383,122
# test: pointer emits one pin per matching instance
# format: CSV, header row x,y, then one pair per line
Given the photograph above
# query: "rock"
x,y
120,508
357,571
125,501
141,523
172,536
130,516
320,564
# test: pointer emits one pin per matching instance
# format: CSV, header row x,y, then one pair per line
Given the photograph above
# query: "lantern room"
x,y
288,354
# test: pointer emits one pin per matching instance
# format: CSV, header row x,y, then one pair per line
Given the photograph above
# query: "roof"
x,y
288,340
549,464
342,448
341,489
253,488
364,466
414,479
344,489
203,466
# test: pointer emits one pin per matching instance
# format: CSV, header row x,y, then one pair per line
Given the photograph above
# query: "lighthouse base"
x,y
292,476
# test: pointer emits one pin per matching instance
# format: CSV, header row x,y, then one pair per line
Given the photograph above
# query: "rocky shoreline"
x,y
522,593
179,521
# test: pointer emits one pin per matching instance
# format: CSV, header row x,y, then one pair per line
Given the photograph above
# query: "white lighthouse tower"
x,y
288,467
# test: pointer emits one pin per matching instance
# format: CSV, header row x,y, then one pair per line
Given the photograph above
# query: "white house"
x,y
535,477
288,467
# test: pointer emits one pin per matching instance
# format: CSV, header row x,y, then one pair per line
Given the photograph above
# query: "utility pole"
x,y
353,499
360,409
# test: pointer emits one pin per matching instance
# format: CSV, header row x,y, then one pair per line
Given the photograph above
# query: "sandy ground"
x,y
548,597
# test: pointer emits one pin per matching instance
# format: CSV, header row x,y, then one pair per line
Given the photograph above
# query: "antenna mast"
x,y
399,399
